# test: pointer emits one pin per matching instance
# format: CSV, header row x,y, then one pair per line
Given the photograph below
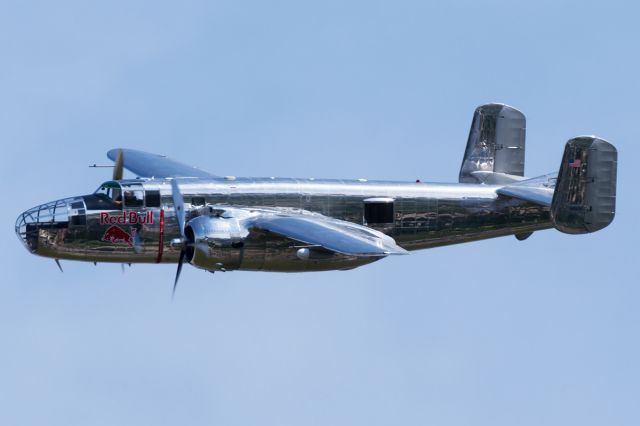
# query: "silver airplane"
x,y
174,213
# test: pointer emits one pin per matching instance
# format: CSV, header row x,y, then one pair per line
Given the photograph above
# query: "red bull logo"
x,y
131,218
115,235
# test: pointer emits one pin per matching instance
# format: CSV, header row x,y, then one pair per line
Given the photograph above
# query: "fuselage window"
x,y
153,198
377,213
197,201
133,197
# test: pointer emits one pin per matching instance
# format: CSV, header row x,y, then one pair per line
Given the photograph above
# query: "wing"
x,y
331,234
538,190
148,165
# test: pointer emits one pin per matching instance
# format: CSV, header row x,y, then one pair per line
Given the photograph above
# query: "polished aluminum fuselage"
x,y
424,215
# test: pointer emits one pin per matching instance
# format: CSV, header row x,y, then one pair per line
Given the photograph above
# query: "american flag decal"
x,y
575,163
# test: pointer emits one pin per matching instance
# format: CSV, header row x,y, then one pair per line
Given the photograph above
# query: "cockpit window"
x,y
130,196
108,196
133,196
111,192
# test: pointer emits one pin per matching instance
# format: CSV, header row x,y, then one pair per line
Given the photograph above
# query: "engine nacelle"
x,y
229,239
215,242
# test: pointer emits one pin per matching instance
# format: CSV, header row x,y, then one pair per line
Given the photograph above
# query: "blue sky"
x,y
498,332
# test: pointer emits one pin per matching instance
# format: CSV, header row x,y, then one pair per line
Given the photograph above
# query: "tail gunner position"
x,y
174,212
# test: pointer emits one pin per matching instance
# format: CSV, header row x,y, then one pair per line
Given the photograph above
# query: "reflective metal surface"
x,y
585,197
496,143
156,166
295,225
44,228
425,215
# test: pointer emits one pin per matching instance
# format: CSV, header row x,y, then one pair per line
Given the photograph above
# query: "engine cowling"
x,y
215,242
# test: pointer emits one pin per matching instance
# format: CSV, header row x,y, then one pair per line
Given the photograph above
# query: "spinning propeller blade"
x,y
180,262
178,204
117,168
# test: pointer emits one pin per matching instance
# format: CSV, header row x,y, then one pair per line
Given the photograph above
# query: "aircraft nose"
x,y
49,216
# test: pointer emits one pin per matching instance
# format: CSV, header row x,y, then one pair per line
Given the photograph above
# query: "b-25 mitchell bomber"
x,y
174,213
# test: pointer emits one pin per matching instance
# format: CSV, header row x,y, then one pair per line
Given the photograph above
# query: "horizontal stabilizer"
x,y
538,190
494,178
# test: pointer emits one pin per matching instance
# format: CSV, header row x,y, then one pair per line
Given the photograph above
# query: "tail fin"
x,y
495,144
584,199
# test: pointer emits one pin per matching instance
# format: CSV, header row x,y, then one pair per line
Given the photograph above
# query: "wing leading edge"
x,y
311,229
331,234
149,165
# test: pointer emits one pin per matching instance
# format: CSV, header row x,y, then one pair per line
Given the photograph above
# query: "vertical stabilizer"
x,y
495,144
585,196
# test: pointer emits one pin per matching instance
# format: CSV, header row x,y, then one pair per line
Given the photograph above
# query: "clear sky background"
x,y
500,332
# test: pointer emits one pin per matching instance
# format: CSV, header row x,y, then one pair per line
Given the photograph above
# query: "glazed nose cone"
x,y
53,215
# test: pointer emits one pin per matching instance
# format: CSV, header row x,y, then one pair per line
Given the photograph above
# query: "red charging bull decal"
x,y
131,218
115,235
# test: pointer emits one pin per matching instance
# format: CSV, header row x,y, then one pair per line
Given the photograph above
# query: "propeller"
x,y
178,204
118,166
183,242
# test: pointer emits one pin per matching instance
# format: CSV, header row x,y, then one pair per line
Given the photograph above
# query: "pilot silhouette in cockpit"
x,y
117,198
129,198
